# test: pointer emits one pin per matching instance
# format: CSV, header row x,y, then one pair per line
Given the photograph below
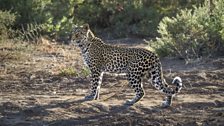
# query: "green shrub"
x,y
122,18
192,33
215,27
60,18
7,19
55,16
84,72
28,11
139,21
68,72
29,33
118,18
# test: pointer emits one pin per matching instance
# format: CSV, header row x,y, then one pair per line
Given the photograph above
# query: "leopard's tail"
x,y
164,87
159,82
178,82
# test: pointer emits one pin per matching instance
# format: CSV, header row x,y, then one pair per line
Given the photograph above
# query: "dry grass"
x,y
10,51
51,57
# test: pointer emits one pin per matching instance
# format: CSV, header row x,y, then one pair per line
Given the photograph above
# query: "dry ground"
x,y
33,92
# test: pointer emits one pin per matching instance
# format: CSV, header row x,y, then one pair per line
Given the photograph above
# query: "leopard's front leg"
x,y
96,80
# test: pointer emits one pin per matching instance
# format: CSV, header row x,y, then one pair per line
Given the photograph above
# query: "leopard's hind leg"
x,y
135,82
159,83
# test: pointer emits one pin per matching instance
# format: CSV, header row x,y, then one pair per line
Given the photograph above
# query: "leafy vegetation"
x,y
181,29
69,71
52,16
192,33
128,18
119,18
32,32
7,20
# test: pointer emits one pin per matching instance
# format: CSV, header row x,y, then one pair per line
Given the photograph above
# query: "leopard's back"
x,y
117,59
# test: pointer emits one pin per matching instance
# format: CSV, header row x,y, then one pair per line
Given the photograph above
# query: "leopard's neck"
x,y
97,41
89,42
85,45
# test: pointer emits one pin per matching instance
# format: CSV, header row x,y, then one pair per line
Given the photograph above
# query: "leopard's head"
x,y
80,35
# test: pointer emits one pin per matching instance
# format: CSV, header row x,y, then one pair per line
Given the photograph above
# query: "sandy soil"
x,y
33,93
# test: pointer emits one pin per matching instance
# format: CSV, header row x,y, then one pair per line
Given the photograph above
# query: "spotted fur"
x,y
135,62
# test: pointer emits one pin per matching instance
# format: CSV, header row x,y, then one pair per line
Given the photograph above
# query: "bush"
x,y
126,18
29,33
7,19
193,33
118,18
135,20
54,17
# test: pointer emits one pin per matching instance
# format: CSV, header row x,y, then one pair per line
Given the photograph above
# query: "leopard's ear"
x,y
86,27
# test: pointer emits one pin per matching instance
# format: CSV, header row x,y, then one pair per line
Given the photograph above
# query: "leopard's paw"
x,y
130,102
166,104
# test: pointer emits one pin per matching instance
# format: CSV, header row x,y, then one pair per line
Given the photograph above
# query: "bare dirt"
x,y
33,93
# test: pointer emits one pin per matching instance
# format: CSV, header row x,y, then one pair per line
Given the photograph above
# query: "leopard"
x,y
135,63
